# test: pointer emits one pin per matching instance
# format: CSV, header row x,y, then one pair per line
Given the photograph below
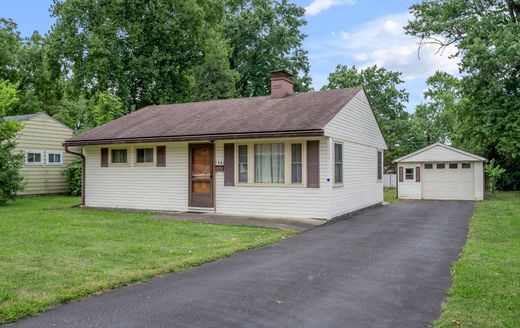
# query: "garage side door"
x,y
448,183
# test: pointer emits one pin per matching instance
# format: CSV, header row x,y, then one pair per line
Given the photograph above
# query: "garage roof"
x,y
439,152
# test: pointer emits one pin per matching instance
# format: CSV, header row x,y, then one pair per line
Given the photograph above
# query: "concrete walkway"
x,y
385,267
292,224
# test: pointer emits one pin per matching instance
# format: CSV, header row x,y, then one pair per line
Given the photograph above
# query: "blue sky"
x,y
349,32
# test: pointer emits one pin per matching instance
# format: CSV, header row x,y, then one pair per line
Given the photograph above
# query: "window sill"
x,y
144,165
270,185
338,185
119,165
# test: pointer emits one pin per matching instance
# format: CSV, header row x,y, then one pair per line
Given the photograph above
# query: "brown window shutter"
x,y
229,164
104,157
161,156
401,178
313,164
417,174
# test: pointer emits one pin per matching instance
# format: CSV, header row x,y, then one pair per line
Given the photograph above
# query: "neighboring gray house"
x,y
314,154
441,172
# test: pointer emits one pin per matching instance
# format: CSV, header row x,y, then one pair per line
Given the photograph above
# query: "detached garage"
x,y
440,172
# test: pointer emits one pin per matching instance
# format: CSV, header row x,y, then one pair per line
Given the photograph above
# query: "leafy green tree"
x,y
9,47
142,50
10,161
435,120
104,108
486,32
387,99
493,172
266,35
214,79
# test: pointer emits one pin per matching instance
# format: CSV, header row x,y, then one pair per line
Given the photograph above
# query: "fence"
x,y
390,180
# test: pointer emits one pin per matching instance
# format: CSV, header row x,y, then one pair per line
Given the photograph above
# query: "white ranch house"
x,y
310,155
440,172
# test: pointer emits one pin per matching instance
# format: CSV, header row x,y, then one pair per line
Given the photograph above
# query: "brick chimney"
x,y
281,84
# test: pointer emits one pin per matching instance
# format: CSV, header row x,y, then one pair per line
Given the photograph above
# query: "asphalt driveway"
x,y
385,267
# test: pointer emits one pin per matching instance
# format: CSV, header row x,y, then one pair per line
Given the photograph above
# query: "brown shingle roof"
x,y
299,114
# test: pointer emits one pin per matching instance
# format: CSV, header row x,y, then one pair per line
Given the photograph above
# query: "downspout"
x,y
213,176
82,172
397,181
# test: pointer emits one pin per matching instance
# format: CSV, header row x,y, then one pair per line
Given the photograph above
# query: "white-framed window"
x,y
242,164
54,157
466,165
428,166
119,156
441,166
453,166
34,157
409,173
296,163
144,155
270,163
338,163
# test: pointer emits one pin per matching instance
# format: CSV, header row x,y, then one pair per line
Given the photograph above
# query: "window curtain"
x,y
269,163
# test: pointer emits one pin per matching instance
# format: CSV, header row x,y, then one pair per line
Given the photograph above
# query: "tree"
x,y
435,120
266,35
142,50
386,98
9,48
493,172
214,79
10,161
486,32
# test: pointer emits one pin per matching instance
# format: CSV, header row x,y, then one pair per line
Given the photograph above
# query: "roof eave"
x,y
198,137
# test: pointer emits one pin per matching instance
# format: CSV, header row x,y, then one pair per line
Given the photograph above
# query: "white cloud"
x,y
383,42
317,6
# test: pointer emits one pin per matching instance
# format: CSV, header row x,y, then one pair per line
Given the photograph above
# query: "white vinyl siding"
x,y
360,189
409,189
439,153
276,200
45,135
355,126
444,183
135,186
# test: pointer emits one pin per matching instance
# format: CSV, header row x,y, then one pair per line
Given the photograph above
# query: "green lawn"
x,y
51,253
390,195
486,279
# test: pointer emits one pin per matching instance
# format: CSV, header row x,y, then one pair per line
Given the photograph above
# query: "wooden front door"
x,y
201,175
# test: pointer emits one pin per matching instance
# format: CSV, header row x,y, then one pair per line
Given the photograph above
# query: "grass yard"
x,y
486,279
390,195
51,253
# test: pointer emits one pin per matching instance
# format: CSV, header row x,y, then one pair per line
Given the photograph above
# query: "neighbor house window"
x,y
269,163
441,166
379,165
409,174
119,156
242,163
34,157
466,165
428,166
338,163
143,155
296,163
54,158
453,166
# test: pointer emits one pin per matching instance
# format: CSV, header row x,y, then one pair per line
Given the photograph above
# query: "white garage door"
x,y
448,183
